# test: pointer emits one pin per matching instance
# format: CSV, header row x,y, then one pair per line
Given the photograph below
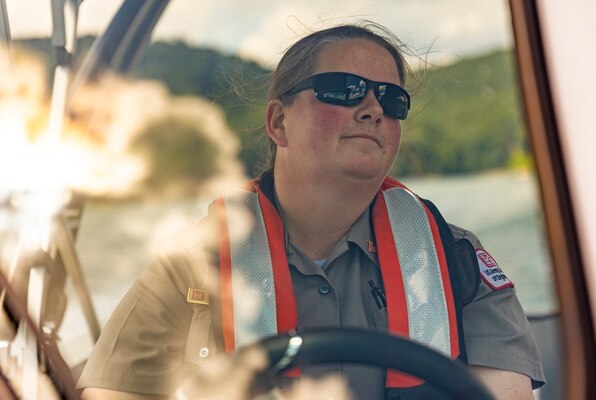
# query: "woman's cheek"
x,y
395,136
331,117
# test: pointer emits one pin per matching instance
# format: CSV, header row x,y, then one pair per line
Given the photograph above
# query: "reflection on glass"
x,y
335,95
357,92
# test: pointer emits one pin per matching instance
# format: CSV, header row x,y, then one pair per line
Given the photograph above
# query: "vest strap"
x,y
420,302
255,277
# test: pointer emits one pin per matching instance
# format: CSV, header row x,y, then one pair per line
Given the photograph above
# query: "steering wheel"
x,y
345,345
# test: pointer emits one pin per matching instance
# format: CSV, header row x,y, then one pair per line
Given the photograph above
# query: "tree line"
x,y
465,117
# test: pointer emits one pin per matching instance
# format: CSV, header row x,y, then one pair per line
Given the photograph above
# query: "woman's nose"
x,y
369,109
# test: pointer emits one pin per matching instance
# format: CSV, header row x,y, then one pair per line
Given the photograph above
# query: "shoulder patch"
x,y
490,271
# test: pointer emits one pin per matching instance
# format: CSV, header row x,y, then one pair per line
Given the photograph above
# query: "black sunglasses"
x,y
344,89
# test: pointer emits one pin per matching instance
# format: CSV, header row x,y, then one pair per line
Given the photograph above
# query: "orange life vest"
x,y
257,297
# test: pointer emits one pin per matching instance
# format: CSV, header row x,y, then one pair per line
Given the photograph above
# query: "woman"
x,y
334,229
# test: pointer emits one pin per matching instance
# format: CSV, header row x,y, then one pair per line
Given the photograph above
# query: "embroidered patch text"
x,y
490,271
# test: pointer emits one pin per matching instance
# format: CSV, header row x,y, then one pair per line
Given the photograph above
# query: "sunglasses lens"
x,y
349,90
394,101
396,108
356,89
332,89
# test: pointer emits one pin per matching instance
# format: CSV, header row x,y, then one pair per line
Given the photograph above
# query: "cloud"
x,y
274,34
190,19
289,20
262,29
457,27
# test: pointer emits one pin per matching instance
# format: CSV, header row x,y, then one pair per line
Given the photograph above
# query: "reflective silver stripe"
x,y
428,318
253,289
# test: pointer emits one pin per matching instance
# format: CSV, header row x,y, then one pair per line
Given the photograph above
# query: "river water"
x,y
116,241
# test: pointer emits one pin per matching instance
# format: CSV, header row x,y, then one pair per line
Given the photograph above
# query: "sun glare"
x,y
44,158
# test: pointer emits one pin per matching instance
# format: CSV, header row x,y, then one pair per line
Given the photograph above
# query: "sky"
x,y
262,29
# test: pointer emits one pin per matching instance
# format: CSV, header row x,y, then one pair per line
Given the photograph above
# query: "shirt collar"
x,y
360,234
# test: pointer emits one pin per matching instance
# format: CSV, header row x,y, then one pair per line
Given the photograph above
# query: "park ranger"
x,y
323,239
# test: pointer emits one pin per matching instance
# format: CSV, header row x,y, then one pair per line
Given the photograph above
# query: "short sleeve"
x,y
143,346
497,333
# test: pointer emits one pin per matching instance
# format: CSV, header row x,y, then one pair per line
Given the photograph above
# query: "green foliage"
x,y
238,86
179,152
465,118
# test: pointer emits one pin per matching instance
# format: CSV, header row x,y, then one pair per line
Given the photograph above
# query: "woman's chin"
x,y
365,172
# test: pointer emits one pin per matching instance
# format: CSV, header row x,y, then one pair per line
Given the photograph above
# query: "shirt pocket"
x,y
198,348
380,319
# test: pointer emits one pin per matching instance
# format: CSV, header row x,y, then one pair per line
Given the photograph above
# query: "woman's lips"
x,y
364,136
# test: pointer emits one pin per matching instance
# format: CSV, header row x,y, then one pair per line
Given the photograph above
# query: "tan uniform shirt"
x,y
154,334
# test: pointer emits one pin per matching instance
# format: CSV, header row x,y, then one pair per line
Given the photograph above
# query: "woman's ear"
x,y
274,119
